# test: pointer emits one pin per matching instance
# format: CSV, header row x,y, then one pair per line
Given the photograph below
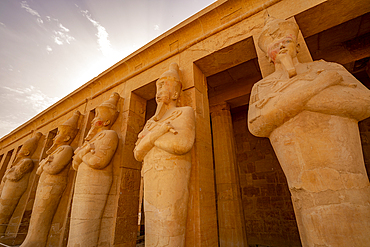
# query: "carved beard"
x,y
287,61
93,131
163,99
160,111
51,149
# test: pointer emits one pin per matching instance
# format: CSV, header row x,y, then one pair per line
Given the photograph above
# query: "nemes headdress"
x,y
31,144
111,102
71,125
275,29
111,105
173,72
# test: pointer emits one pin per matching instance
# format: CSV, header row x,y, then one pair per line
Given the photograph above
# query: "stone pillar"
x,y
229,206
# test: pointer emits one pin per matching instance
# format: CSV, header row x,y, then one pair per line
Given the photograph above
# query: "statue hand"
x,y
39,170
77,150
165,127
10,174
50,158
330,77
43,162
12,169
92,148
75,165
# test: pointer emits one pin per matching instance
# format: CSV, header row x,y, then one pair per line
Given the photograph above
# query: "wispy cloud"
x,y
63,28
49,49
2,24
61,37
103,41
58,41
31,96
60,33
156,27
25,6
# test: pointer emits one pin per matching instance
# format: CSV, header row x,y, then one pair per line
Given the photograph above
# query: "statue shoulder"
x,y
64,149
325,65
108,134
268,79
26,161
105,139
262,87
186,109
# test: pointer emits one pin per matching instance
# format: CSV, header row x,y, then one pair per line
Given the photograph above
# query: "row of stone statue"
x,y
308,110
93,180
171,129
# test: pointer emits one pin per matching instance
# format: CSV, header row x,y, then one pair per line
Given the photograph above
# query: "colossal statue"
x,y
53,171
310,111
164,147
94,176
16,181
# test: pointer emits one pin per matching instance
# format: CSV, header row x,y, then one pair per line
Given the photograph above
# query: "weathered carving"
x,y
164,146
310,113
16,181
94,175
53,171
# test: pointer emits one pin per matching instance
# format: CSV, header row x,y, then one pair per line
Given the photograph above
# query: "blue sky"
x,y
48,48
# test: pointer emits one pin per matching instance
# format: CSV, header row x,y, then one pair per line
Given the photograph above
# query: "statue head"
x,y
105,116
30,146
169,85
66,133
279,38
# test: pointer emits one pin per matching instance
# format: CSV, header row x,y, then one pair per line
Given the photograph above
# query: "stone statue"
x,y
164,145
16,181
310,111
53,171
94,176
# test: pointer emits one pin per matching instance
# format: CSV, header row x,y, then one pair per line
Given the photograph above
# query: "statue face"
x,y
23,152
282,47
62,138
166,90
102,120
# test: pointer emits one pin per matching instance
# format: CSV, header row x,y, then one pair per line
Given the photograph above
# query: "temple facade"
x,y
238,193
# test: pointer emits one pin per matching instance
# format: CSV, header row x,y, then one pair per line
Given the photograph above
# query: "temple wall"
x,y
217,39
268,210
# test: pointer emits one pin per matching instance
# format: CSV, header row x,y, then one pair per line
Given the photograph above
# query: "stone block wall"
x,y
268,210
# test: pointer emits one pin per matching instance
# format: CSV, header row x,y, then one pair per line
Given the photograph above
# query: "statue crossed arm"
x,y
172,137
57,161
17,172
95,153
271,109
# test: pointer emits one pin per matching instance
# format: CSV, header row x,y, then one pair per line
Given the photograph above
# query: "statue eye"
x,y
160,84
